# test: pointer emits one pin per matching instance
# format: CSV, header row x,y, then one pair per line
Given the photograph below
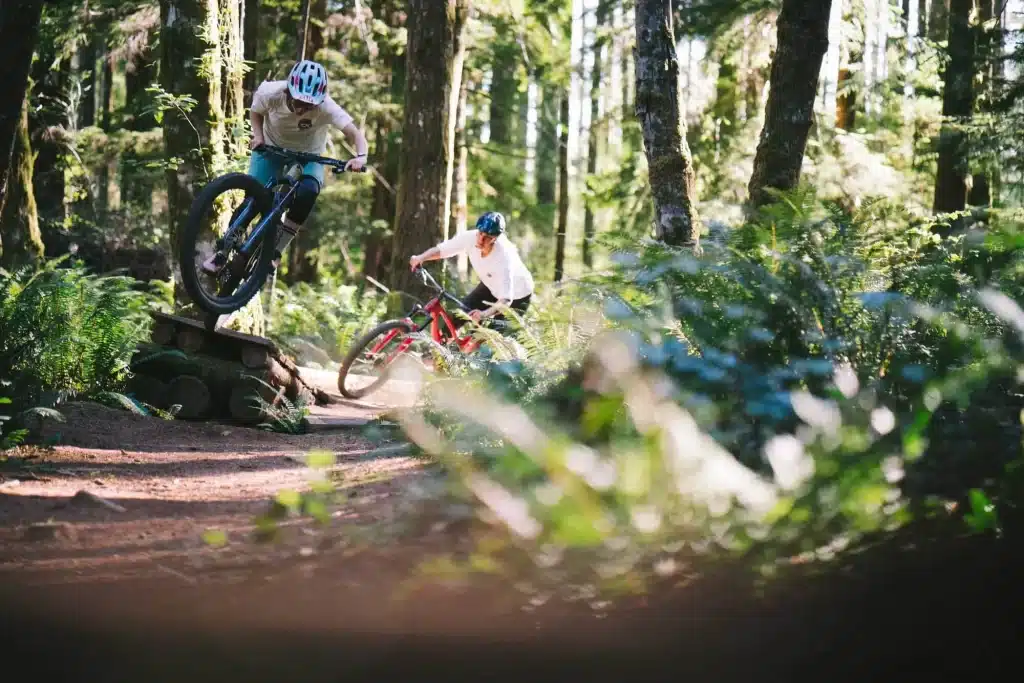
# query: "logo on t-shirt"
x,y
305,123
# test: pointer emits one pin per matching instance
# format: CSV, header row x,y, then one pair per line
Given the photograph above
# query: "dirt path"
x,y
125,495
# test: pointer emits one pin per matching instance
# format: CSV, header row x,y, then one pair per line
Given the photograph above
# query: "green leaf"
x,y
320,459
289,499
215,537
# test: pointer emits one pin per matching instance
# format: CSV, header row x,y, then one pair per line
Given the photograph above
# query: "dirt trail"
x,y
126,495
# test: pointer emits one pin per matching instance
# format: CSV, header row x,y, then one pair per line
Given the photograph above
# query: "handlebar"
x,y
429,280
305,157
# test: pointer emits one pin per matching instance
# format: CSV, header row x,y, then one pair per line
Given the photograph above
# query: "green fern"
x,y
67,333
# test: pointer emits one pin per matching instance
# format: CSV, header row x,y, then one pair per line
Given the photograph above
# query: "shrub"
x,y
65,333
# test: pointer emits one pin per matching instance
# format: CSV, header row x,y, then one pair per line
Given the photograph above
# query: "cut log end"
x,y
191,393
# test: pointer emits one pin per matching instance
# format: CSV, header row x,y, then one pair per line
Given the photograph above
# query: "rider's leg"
x,y
305,197
475,301
262,167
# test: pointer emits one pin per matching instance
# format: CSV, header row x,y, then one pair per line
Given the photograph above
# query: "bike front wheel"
x,y
240,278
375,350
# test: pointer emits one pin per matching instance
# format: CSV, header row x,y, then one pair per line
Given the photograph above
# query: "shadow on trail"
x,y
944,612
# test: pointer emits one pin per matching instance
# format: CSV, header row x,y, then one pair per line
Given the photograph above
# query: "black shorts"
x,y
476,299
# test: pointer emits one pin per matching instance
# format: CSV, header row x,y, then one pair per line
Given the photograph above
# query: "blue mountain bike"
x,y
245,248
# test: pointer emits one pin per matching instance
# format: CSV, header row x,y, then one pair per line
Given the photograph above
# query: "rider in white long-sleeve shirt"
x,y
504,278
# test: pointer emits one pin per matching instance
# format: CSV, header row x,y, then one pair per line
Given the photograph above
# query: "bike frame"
x,y
438,317
299,158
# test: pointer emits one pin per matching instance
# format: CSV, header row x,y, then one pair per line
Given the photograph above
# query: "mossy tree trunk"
x,y
251,42
802,43
46,129
190,66
424,187
19,28
957,107
20,240
670,165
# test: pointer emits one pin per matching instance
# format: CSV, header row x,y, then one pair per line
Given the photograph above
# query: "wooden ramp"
x,y
218,375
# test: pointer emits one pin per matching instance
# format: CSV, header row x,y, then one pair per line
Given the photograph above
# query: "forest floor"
x,y
117,583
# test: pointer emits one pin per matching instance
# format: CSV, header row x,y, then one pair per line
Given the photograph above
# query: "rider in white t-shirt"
x,y
504,278
295,114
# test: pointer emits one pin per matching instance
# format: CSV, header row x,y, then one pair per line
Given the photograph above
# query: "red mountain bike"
x,y
377,349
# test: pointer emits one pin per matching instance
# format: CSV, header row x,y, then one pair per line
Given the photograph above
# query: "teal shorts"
x,y
264,167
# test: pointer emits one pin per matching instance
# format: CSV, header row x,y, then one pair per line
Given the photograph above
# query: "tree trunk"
x,y
459,217
251,42
303,29
377,247
424,188
19,27
46,128
140,74
233,95
315,30
957,108
563,186
802,43
87,73
938,20
196,139
597,130
670,166
20,241
547,143
504,88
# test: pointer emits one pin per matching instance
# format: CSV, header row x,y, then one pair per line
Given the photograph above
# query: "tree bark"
x,y
424,188
233,84
957,108
251,41
547,143
563,186
315,30
20,240
140,73
504,87
938,20
670,166
377,248
459,216
597,129
195,138
802,43
87,72
19,27
46,128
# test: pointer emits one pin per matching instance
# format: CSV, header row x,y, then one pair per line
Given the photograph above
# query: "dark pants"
x,y
476,299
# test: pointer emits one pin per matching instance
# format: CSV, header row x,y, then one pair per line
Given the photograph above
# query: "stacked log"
x,y
215,374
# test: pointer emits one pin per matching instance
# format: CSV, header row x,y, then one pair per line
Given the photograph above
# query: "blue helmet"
x,y
491,223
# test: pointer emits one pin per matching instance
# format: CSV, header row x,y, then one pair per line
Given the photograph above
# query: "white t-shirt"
x,y
502,271
284,128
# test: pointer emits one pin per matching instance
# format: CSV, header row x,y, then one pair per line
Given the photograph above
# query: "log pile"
x,y
215,374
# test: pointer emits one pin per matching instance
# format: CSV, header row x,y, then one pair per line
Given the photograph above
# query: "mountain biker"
x,y
504,278
295,114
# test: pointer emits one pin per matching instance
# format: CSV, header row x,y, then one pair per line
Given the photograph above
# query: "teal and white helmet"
x,y
308,82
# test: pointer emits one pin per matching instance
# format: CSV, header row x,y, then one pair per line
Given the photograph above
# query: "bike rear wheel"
x,y
380,346
241,278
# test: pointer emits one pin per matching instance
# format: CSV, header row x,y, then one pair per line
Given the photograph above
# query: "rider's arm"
x,y
257,127
432,254
356,138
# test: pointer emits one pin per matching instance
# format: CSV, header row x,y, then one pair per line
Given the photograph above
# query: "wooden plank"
x,y
220,332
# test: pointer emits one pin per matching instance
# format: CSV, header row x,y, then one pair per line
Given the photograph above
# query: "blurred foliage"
x,y
811,380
